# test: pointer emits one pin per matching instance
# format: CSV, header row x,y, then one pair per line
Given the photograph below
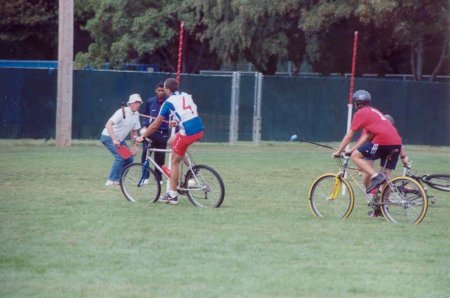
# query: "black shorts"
x,y
374,151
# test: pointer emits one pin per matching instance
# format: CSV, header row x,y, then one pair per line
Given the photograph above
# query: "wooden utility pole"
x,y
65,74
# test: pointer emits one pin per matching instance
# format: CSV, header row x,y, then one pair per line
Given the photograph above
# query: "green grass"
x,y
63,234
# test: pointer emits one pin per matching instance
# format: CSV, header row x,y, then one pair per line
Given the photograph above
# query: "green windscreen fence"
x,y
28,103
314,108
97,95
28,97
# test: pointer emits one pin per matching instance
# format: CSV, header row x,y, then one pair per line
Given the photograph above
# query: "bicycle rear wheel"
x,y
139,184
438,181
331,196
403,200
205,188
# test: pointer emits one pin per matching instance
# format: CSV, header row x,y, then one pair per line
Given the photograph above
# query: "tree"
x,y
141,31
28,29
261,32
391,30
397,36
421,25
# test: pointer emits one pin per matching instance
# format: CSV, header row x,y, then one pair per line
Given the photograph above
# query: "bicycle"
x,y
401,199
201,183
437,181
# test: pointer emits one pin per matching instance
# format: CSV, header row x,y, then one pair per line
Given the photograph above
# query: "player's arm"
x,y
134,135
362,140
151,129
345,141
109,128
404,157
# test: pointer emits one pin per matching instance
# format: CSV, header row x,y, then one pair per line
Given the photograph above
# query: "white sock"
x,y
173,194
374,175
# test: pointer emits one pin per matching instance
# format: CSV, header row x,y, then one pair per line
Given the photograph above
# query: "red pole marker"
x,y
352,80
180,51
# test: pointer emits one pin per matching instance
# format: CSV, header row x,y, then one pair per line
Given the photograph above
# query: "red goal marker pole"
x,y
350,96
180,59
352,81
180,51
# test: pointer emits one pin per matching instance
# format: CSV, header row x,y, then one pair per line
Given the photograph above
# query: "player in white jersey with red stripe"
x,y
182,108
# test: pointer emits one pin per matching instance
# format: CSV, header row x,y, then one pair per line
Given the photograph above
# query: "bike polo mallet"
x,y
295,137
124,152
122,106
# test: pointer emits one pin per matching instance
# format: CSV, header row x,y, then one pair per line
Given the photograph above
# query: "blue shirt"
x,y
152,109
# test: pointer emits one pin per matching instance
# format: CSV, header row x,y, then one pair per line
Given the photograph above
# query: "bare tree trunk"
x,y
195,68
413,63
167,60
417,60
442,58
420,55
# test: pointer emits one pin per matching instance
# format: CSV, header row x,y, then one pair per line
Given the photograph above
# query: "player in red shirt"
x,y
380,140
403,156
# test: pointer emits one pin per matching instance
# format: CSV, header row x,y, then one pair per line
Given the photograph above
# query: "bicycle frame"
x,y
187,161
201,183
344,172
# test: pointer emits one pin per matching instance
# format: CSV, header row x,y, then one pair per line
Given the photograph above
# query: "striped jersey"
x,y
181,107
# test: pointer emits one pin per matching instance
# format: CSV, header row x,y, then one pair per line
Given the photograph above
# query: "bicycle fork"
x,y
336,188
144,174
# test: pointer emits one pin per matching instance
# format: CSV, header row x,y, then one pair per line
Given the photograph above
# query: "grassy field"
x,y
64,234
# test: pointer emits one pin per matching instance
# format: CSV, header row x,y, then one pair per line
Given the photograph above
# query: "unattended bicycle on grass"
x,y
436,181
400,199
200,183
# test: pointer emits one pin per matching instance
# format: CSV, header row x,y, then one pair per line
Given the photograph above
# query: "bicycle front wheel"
x,y
204,187
139,184
403,200
331,196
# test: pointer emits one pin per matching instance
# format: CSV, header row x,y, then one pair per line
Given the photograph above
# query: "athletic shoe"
x,y
109,183
375,182
166,198
173,201
146,181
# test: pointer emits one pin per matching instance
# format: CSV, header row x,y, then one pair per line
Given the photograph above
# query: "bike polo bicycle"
x,y
180,106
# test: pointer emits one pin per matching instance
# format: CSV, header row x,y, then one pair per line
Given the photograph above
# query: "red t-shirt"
x,y
372,120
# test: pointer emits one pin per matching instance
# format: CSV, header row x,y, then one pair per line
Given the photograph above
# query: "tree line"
x,y
396,36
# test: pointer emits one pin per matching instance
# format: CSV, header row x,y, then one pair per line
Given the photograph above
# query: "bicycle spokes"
x,y
404,200
204,186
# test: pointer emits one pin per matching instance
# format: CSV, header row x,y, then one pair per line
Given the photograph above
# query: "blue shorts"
x,y
373,151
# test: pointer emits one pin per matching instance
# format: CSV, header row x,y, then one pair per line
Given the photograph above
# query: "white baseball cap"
x,y
134,98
